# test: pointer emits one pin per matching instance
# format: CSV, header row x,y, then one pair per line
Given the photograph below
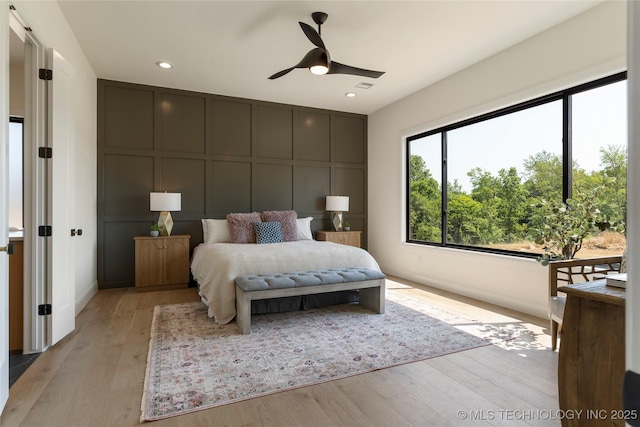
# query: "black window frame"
x,y
563,95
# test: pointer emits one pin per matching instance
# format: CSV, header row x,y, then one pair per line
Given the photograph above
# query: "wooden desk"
x,y
591,362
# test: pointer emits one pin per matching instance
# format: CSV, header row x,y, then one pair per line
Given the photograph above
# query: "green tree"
x,y
508,207
425,213
513,205
611,182
486,190
485,186
543,176
613,160
464,221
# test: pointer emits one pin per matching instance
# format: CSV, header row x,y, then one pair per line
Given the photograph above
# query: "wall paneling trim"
x,y
223,155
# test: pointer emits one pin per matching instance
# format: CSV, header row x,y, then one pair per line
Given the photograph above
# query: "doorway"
x,y
26,111
18,362
47,108
16,197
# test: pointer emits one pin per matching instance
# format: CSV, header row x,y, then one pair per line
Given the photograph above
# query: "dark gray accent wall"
x,y
223,155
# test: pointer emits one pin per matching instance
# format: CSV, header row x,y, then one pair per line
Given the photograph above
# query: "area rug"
x,y
196,364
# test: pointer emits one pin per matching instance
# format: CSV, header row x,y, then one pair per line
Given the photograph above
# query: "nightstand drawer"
x,y
350,238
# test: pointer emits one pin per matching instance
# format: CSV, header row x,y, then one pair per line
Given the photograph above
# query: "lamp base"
x,y
166,223
336,220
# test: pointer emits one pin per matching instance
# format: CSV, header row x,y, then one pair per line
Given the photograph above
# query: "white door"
x,y
61,195
4,205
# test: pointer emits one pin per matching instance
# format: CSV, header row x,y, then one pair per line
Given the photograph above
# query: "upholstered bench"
x,y
370,283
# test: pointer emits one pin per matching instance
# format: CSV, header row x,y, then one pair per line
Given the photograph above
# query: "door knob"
x,y
8,249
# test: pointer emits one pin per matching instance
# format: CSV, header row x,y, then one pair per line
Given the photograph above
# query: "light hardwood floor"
x,y
94,377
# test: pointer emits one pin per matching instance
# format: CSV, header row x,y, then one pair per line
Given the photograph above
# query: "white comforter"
x,y
216,265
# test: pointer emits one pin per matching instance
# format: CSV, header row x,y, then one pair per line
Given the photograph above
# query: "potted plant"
x,y
155,230
346,226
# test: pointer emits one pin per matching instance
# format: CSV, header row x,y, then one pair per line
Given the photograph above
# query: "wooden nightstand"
x,y
350,238
162,262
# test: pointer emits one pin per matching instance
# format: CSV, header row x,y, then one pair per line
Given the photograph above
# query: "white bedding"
x,y
216,265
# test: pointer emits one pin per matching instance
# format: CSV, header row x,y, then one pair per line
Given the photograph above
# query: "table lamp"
x,y
164,203
337,205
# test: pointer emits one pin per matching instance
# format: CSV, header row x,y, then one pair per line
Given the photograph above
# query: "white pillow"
x,y
304,228
215,231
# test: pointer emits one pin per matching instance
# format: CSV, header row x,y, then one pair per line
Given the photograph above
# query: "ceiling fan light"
x,y
319,70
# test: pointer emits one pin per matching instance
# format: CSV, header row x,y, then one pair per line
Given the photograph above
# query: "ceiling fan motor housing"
x,y
319,17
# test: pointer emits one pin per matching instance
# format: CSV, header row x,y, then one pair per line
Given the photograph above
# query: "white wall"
x,y
16,90
16,109
587,47
52,30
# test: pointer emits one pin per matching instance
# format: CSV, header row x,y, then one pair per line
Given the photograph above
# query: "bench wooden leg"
x,y
373,298
243,312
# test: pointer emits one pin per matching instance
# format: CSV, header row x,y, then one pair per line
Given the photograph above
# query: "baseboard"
x,y
501,300
86,296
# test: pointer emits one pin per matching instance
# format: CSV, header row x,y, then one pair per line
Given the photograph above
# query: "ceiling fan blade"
x,y
281,73
312,35
314,56
338,68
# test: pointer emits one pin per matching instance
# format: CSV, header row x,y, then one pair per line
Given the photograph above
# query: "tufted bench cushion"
x,y
370,283
254,282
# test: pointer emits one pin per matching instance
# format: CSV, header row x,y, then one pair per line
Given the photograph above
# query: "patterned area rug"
x,y
196,364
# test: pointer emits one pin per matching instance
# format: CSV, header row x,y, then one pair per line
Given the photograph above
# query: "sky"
x,y
599,120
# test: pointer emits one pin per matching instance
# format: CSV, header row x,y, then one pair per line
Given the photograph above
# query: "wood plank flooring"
x,y
95,376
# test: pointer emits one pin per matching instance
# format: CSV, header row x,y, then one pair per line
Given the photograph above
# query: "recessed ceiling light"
x,y
163,64
350,95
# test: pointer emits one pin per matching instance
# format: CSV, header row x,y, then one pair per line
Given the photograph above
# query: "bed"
x,y
216,265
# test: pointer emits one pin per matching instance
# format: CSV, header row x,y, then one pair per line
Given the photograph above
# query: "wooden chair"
x,y
571,271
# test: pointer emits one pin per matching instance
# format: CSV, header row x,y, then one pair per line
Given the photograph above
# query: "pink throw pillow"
x,y
241,228
287,220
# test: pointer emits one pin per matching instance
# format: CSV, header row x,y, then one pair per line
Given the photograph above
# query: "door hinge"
x,y
45,152
44,309
44,231
45,74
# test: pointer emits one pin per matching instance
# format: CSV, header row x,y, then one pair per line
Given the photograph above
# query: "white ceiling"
x,y
232,47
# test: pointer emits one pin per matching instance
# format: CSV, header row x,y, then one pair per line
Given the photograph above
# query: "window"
x,y
425,180
599,128
501,168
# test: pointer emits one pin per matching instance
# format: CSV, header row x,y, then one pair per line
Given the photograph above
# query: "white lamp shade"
x,y
338,203
165,202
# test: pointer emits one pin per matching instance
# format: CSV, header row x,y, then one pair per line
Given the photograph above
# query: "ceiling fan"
x,y
318,60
